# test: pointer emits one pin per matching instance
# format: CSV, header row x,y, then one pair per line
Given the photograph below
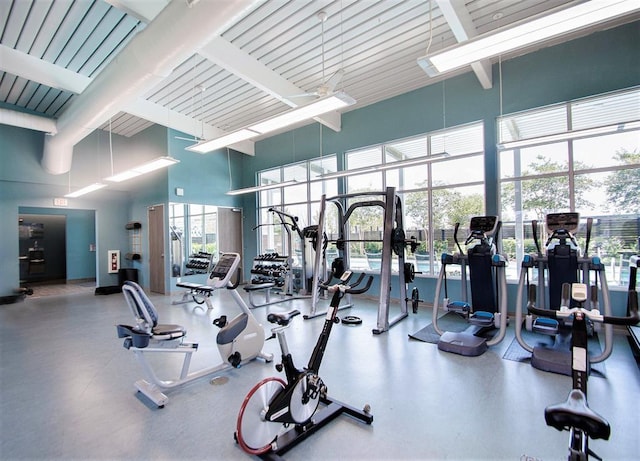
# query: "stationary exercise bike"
x,y
277,415
238,341
574,414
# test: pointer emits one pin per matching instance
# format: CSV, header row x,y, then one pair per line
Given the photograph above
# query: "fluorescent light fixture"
x,y
321,106
86,190
602,130
248,190
226,140
318,107
160,162
385,166
526,33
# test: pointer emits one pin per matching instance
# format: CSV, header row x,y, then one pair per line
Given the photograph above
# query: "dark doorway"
x,y
42,248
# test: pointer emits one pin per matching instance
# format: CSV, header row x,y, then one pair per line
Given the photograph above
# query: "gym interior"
x,y
514,180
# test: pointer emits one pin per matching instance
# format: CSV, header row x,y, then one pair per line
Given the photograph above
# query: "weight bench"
x,y
266,287
199,293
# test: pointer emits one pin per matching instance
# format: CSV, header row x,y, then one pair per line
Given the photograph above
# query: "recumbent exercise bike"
x,y
239,340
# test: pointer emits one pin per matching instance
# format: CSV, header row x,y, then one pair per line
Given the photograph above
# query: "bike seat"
x,y
575,412
282,318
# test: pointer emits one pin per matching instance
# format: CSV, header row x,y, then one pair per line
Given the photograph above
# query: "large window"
x,y
440,178
443,185
299,196
580,156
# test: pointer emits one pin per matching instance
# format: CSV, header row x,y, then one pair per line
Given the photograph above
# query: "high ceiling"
x,y
258,57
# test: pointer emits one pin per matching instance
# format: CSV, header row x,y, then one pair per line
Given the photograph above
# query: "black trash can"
x,y
127,274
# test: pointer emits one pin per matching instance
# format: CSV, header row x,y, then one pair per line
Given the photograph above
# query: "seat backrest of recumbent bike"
x,y
146,315
141,306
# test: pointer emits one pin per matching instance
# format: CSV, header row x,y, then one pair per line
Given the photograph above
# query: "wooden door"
x,y
156,249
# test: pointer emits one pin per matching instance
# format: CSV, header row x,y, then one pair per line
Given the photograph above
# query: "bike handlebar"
x,y
594,315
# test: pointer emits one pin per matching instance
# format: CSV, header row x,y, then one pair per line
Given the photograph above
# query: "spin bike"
x,y
574,414
277,415
239,340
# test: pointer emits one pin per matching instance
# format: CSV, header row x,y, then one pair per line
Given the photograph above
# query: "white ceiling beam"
x,y
29,121
43,72
249,69
223,53
461,24
31,68
142,10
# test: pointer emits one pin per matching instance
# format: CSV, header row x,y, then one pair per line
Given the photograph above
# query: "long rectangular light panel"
x,y
526,33
336,101
86,190
160,162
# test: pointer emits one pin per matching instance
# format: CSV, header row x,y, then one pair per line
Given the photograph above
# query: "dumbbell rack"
x,y
272,268
199,263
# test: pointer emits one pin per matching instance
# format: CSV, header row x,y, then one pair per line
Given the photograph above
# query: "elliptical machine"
x,y
574,415
239,341
277,415
488,290
562,263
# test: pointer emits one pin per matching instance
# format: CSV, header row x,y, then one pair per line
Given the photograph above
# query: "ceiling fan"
x,y
329,85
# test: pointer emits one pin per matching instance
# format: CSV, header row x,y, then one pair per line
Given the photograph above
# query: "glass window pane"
x,y
322,166
459,141
297,172
549,158
604,151
269,176
329,187
270,197
533,124
606,110
392,179
408,149
365,182
270,235
507,167
297,193
364,158
413,177
464,170
453,205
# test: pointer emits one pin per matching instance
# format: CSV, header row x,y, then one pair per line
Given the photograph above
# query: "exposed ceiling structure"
x,y
213,66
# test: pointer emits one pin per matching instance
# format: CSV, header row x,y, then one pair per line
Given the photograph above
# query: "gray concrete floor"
x,y
67,390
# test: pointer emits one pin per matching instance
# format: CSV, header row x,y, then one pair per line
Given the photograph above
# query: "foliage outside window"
x,y
580,156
